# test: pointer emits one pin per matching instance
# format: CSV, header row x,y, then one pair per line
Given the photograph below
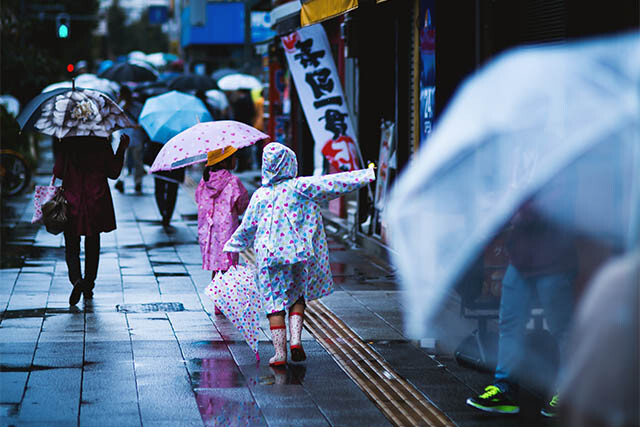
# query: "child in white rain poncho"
x,y
284,225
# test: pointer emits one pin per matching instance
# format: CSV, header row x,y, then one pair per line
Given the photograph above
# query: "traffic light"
x,y
70,68
63,25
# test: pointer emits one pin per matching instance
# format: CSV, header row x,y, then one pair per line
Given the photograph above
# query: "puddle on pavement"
x,y
177,274
40,312
9,410
221,411
9,368
150,307
222,372
14,255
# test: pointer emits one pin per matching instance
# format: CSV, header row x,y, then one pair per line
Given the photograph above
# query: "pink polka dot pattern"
x,y
235,293
191,142
284,225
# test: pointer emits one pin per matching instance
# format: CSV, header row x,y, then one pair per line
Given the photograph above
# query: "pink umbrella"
x,y
236,294
191,146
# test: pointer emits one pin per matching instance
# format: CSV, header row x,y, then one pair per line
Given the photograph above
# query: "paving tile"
x,y
12,386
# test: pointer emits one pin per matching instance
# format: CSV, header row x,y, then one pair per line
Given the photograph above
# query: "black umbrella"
x,y
129,72
31,111
218,74
186,82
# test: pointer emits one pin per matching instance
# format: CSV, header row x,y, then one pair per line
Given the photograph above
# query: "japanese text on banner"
x,y
318,85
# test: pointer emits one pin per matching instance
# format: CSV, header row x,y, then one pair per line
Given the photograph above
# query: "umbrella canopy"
x,y
164,116
88,81
11,104
131,71
74,112
160,59
236,294
535,121
217,98
192,145
218,74
190,81
104,65
238,82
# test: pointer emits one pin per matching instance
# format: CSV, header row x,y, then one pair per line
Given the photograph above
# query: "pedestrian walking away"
x,y
137,136
221,198
284,226
84,163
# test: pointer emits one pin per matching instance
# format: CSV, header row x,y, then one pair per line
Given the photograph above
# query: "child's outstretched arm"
x,y
327,187
243,237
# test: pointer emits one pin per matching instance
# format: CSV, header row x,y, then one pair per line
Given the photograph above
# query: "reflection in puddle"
x,y
218,411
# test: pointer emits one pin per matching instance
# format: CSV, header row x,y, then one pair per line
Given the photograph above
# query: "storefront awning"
x,y
313,11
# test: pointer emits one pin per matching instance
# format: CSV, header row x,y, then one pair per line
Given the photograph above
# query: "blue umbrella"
x,y
166,115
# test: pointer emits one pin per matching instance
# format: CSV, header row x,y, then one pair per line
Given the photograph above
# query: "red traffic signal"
x,y
70,68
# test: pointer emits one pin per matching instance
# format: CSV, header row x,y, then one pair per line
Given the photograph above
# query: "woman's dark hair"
x,y
223,164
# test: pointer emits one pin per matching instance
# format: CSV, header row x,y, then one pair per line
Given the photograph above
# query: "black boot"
x,y
78,287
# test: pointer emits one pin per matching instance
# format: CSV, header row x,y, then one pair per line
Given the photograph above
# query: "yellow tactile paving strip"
x,y
398,400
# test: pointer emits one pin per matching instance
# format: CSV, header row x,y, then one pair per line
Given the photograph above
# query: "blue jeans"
x,y
555,292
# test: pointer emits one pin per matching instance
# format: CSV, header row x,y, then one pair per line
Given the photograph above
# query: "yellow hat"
x,y
219,155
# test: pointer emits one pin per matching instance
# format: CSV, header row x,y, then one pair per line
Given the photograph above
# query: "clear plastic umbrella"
x,y
553,130
511,129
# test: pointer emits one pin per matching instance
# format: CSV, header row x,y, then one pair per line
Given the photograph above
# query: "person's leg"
x,y
556,294
279,338
138,171
91,261
515,306
216,310
160,193
72,257
514,313
296,319
172,196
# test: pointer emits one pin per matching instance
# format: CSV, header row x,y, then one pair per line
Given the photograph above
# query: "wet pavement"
x,y
148,349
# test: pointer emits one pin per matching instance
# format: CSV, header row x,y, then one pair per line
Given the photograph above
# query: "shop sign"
x,y
386,162
427,68
320,91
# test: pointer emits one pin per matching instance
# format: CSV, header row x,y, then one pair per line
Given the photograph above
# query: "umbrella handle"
x,y
257,357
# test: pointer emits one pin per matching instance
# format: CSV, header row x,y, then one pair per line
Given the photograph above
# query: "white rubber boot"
x,y
295,328
279,339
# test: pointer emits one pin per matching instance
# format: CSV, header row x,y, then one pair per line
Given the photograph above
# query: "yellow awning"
x,y
313,11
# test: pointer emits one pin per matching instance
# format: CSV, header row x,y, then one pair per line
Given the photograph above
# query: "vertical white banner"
x,y
320,92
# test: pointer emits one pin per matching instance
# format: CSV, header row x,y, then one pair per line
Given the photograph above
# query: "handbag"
x,y
51,206
42,195
54,213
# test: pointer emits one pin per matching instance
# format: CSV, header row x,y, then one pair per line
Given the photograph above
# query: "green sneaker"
x,y
494,400
551,408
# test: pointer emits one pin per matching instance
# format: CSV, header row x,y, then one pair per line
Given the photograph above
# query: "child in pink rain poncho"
x,y
284,226
221,197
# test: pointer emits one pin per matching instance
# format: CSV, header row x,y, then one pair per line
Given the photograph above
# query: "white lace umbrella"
x,y
81,112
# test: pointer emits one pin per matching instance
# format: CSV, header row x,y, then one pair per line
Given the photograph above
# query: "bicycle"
x,y
15,174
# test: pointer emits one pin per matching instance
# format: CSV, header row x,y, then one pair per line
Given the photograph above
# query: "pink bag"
x,y
42,195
